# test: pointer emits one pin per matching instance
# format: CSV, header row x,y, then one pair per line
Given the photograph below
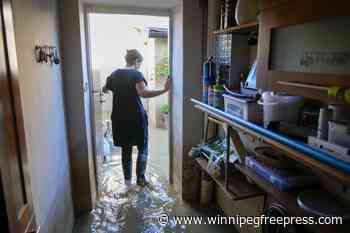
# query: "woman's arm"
x,y
145,92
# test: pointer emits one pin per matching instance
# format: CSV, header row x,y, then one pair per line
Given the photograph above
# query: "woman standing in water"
x,y
129,118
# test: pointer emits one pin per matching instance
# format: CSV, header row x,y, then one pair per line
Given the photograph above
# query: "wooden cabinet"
x,y
266,4
285,66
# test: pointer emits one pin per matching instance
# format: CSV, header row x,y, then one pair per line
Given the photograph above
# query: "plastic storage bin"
x,y
279,108
283,179
249,110
339,134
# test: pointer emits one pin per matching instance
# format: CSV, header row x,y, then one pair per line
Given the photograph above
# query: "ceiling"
x,y
156,4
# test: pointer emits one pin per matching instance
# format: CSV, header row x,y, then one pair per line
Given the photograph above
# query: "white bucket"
x,y
278,108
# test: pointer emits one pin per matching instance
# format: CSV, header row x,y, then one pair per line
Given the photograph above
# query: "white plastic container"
x,y
277,108
339,134
247,109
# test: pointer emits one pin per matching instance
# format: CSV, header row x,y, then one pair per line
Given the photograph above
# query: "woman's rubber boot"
x,y
140,173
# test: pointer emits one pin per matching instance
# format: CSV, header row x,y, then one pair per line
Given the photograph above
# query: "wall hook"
x,y
47,54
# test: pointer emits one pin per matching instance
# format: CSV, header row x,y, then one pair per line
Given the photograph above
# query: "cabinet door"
x,y
14,175
266,4
292,34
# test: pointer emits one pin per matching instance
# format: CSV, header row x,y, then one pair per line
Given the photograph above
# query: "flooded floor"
x,y
136,210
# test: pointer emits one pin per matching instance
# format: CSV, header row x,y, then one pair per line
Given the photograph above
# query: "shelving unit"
x,y
280,142
235,185
288,199
232,48
240,29
238,187
232,43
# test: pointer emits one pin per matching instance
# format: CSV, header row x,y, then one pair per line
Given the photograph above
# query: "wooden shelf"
x,y
289,200
279,82
241,29
239,187
258,132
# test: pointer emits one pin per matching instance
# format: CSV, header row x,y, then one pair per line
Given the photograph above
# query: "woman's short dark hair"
x,y
133,55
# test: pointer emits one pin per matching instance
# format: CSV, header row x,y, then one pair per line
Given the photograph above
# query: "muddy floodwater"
x,y
137,210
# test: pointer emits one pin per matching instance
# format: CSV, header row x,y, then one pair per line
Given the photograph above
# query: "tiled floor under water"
x,y
136,210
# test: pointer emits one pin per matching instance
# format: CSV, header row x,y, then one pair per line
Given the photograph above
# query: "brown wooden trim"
x,y
325,80
263,54
301,11
245,28
268,4
316,79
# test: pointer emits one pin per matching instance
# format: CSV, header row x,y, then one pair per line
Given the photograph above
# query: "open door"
x,y
15,186
98,132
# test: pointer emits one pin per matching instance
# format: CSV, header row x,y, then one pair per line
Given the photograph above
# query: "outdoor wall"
x,y
160,54
36,23
77,99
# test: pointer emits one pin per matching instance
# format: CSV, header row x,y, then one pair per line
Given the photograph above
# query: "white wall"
x,y
36,23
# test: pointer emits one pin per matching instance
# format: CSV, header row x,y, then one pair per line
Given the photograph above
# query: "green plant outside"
x,y
164,108
162,69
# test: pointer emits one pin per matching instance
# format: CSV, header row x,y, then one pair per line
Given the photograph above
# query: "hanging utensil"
x,y
56,58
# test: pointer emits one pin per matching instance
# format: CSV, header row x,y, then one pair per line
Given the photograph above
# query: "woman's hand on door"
x,y
167,85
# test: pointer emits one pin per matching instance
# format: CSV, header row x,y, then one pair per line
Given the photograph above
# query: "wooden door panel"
x,y
278,14
98,112
98,127
13,156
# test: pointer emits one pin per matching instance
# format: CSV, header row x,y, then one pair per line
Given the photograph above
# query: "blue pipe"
x,y
298,146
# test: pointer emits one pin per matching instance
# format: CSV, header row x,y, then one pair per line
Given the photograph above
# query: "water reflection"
x,y
135,209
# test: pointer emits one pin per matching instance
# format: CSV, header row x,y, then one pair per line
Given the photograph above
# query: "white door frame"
x,y
122,10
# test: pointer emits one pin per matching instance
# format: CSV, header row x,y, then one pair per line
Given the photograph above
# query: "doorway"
x,y
139,209
110,36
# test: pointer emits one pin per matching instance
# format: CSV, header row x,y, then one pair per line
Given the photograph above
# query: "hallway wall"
x,y
187,66
36,23
177,97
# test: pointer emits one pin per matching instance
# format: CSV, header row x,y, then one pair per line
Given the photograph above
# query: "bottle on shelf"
x,y
209,78
219,91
